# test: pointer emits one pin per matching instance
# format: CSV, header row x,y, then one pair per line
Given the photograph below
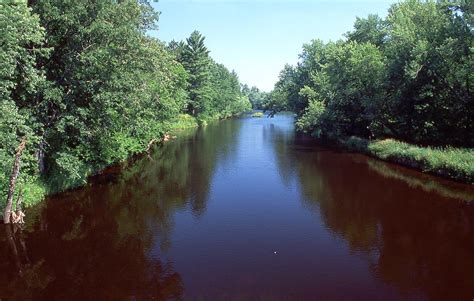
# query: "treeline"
x,y
408,76
86,86
214,92
257,98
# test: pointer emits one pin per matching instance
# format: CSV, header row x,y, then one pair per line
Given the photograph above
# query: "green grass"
x,y
449,162
257,114
34,192
183,121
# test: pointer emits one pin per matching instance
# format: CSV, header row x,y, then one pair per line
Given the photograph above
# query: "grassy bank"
x,y
184,121
449,162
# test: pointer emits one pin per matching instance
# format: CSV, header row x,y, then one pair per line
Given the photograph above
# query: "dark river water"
x,y
246,209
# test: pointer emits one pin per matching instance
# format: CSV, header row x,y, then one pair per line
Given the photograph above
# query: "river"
x,y
246,209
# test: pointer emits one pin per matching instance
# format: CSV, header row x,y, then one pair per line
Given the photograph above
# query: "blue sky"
x,y
257,38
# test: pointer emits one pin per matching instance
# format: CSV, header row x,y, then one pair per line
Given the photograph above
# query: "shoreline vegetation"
x,y
183,122
401,83
450,163
40,189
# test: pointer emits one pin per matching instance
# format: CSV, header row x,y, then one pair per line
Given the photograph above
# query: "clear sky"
x,y
256,38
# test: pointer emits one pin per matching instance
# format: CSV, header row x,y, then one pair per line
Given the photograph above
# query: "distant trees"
x,y
227,99
256,97
88,87
407,76
214,91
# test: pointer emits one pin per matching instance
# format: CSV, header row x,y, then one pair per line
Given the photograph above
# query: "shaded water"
x,y
246,210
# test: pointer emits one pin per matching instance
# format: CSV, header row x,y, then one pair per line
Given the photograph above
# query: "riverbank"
x,y
34,190
451,163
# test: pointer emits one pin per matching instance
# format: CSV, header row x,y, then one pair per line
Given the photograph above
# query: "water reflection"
x,y
246,210
416,232
79,250
98,243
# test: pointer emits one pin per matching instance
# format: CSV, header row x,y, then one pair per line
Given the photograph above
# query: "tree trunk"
x,y
19,200
150,145
13,178
40,157
17,217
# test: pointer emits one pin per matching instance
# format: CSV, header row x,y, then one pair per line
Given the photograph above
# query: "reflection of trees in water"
x,y
417,240
179,174
76,251
424,181
280,137
97,242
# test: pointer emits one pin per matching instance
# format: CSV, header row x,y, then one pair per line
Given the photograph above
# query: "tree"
x,y
21,80
407,76
368,30
112,86
427,57
214,91
196,61
255,96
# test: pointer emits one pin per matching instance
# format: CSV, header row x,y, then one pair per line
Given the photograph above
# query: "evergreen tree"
x,y
195,59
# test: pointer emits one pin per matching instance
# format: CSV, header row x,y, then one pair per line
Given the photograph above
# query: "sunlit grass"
x,y
183,121
450,162
33,192
257,114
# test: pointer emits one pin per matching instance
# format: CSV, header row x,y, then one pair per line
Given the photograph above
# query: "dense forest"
x,y
407,76
85,86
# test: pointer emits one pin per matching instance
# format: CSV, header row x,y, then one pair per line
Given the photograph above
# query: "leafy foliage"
x,y
256,97
88,87
214,91
407,76
20,49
